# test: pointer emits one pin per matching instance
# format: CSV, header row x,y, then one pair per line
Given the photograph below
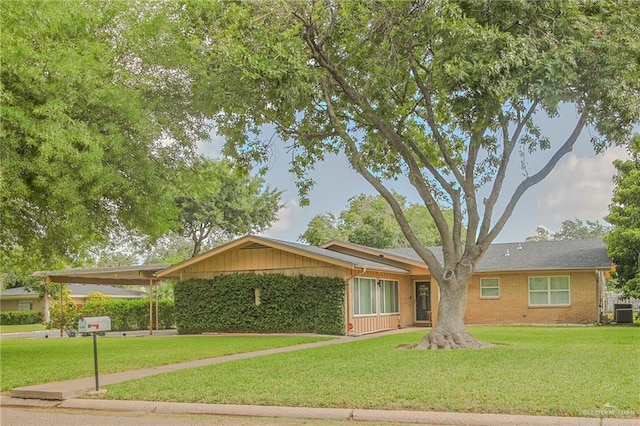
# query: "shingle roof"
x,y
532,255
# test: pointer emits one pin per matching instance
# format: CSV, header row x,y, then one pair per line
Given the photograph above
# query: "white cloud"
x,y
581,187
286,219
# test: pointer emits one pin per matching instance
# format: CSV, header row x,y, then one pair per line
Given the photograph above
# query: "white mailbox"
x,y
94,324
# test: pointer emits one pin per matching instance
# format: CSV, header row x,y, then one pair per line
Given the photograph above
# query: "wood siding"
x,y
260,260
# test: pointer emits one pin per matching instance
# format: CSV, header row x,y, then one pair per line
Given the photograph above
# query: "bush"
x,y
267,303
20,317
130,314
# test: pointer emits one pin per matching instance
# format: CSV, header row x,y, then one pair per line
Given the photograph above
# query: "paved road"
x,y
55,416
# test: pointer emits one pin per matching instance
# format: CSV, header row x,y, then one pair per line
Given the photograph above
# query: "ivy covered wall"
x,y
266,303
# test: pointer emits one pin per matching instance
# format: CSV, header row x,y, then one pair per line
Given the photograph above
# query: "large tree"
x,y
623,243
368,220
443,92
93,118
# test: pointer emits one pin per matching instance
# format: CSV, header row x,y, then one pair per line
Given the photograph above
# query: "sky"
x,y
580,186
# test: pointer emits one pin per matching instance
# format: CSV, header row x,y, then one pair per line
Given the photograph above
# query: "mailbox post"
x,y
94,325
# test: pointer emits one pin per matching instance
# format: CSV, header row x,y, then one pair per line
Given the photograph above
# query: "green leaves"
x,y
89,130
623,243
292,304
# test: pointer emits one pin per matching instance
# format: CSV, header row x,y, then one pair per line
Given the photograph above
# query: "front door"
x,y
423,301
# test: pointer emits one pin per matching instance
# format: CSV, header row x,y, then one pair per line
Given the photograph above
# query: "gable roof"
x,y
318,253
500,257
531,256
80,290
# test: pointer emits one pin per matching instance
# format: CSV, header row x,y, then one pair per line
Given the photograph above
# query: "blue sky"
x,y
580,186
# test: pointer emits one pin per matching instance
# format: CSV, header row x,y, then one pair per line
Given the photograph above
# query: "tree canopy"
x,y
623,243
576,229
369,221
90,128
217,202
443,92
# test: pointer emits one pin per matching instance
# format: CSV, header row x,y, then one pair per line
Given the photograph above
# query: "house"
x,y
21,299
546,282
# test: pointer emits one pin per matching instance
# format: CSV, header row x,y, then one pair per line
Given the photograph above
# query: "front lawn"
x,y
565,371
22,328
26,361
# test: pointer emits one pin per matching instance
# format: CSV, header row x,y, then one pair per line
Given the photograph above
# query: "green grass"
x,y
565,371
25,361
4,329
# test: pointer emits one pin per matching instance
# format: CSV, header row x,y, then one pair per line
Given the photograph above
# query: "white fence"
x,y
612,297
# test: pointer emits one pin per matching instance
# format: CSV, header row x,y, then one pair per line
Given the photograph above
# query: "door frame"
x,y
429,320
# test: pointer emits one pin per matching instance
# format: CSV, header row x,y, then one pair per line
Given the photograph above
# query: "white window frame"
x,y
357,281
497,296
549,291
383,295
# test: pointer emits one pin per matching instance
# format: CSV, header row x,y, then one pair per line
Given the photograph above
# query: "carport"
x,y
139,275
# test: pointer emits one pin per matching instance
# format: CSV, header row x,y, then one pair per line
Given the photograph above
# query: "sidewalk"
x,y
61,395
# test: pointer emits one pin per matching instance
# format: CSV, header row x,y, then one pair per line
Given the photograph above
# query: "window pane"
x,y
488,282
389,296
538,298
538,283
364,296
490,292
489,287
560,297
559,283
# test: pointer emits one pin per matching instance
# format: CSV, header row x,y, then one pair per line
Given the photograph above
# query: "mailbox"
x,y
94,324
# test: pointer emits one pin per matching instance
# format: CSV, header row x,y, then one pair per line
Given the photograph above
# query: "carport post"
x,y
150,307
61,312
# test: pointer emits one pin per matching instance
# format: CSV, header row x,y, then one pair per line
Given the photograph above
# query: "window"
x,y
25,305
364,296
389,297
489,288
549,291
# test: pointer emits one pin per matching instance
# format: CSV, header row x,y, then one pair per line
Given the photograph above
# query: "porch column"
x,y
150,307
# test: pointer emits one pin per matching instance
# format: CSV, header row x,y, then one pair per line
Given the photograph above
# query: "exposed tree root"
x,y
437,339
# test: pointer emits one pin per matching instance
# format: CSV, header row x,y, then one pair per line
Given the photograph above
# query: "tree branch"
x,y
533,180
507,150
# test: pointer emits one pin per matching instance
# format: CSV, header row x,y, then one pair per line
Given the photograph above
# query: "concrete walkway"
x,y
61,395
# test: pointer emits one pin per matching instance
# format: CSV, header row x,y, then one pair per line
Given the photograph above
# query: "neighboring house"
x,y
547,282
21,299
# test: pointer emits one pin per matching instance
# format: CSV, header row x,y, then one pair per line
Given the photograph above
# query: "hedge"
x,y
300,304
130,314
20,317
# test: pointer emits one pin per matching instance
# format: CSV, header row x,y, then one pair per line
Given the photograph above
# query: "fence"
x,y
612,297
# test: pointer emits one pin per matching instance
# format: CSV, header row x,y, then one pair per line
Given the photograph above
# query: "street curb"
x,y
393,416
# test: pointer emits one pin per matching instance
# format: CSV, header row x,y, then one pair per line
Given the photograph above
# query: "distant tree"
x,y
368,220
321,229
217,201
576,229
623,243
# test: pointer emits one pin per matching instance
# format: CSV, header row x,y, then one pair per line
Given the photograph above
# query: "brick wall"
x,y
512,306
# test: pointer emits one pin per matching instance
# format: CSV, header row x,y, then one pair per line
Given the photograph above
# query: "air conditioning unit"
x,y
624,316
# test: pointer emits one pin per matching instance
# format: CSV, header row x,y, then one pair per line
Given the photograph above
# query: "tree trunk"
x,y
450,332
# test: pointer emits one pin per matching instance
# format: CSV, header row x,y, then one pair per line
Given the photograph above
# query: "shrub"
x,y
20,317
265,303
130,314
